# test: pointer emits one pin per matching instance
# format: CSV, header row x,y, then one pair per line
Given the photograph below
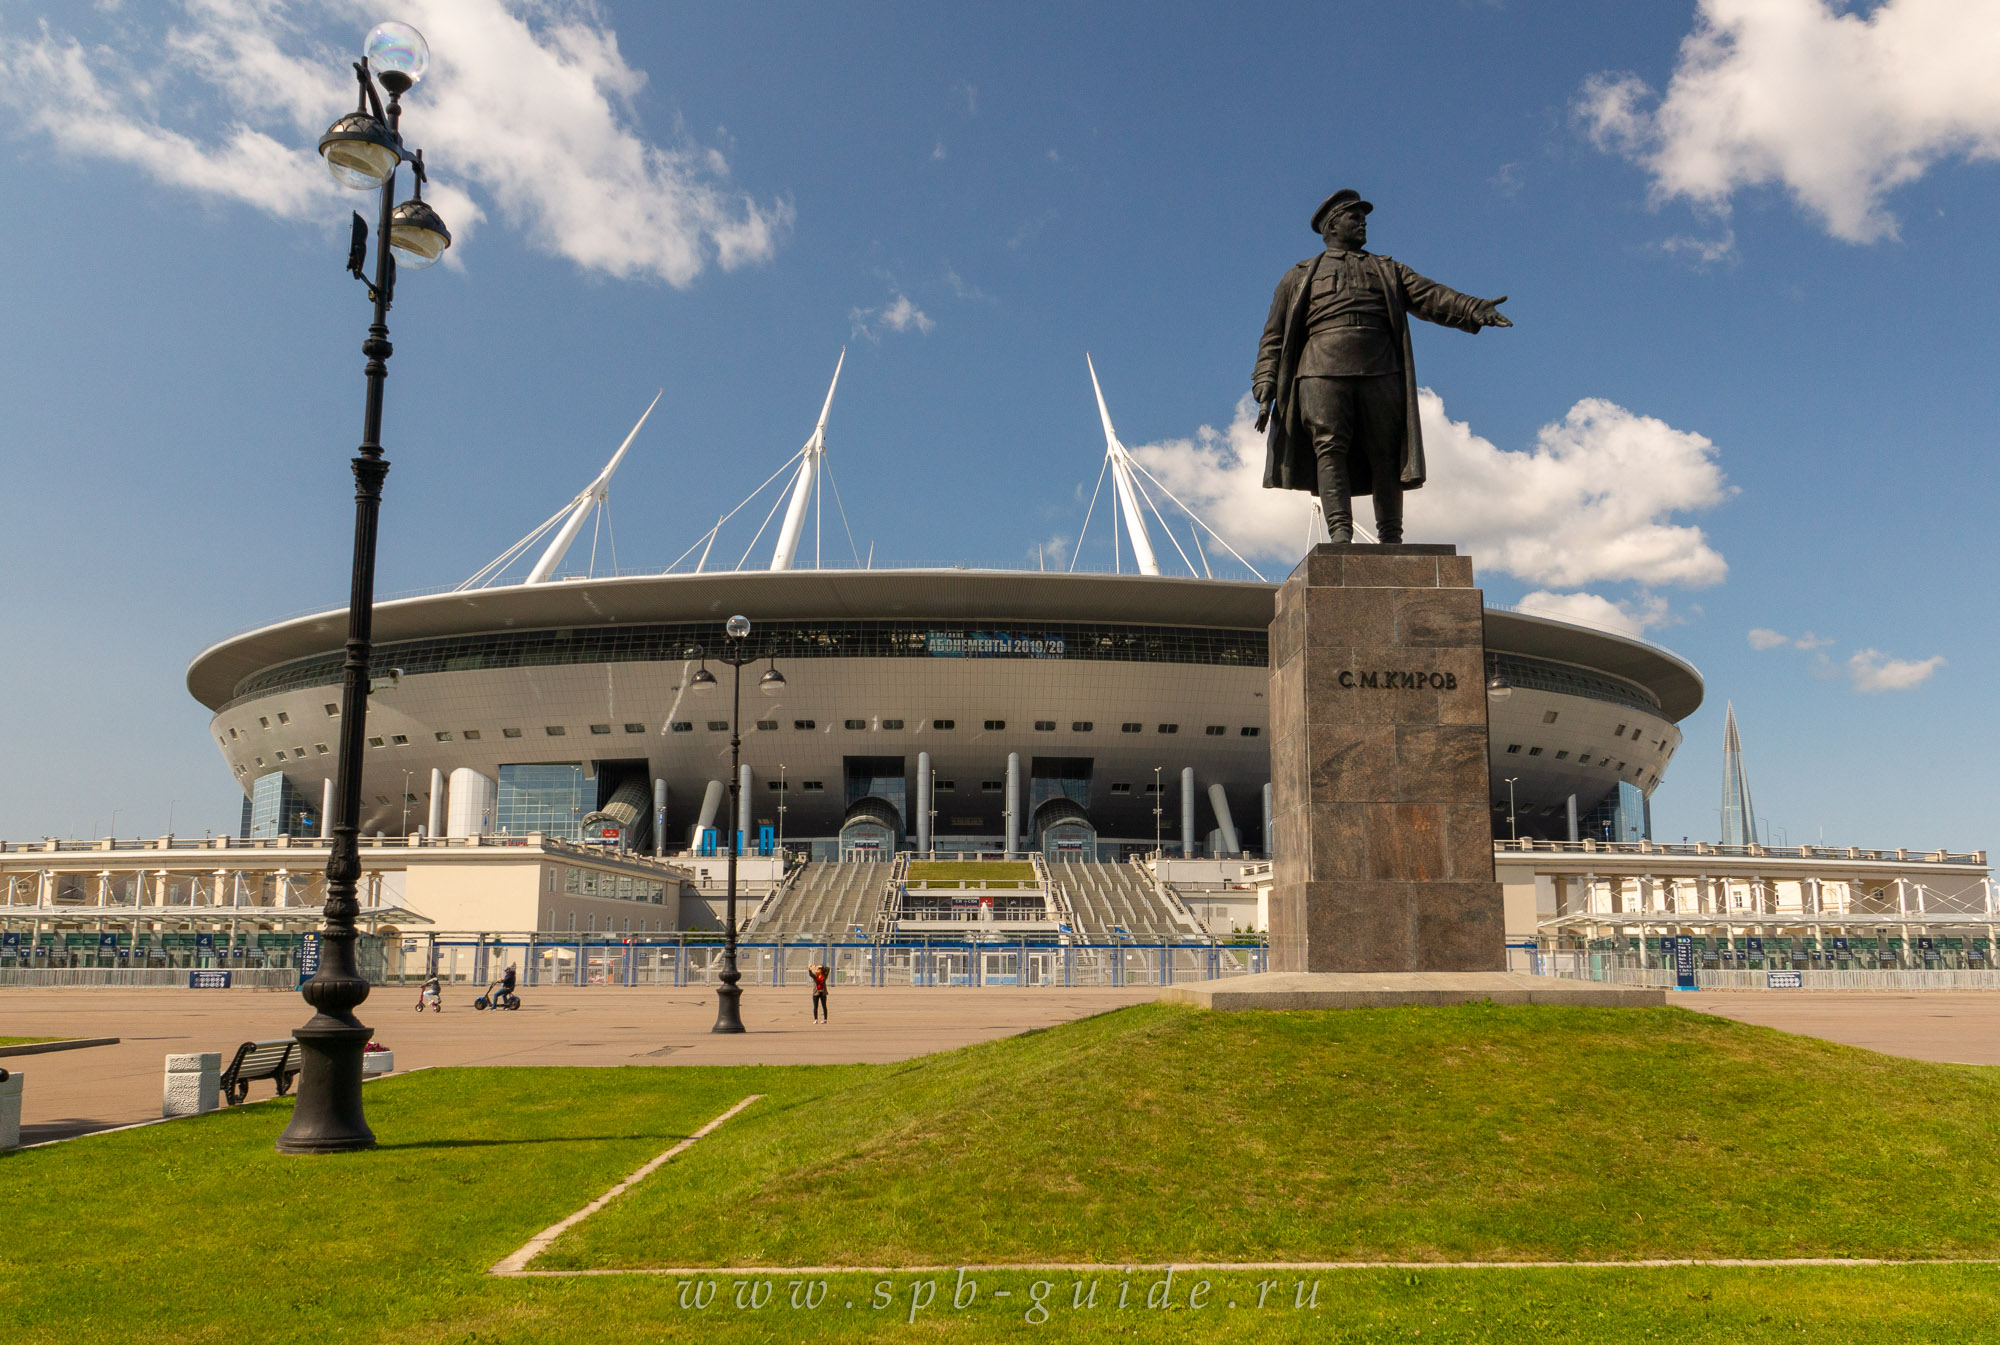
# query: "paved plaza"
x,y
72,1092
69,1092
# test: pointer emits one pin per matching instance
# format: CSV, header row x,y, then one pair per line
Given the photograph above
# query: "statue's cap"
x,y
1340,200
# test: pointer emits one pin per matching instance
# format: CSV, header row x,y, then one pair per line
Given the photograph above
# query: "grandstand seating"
x,y
1110,897
827,900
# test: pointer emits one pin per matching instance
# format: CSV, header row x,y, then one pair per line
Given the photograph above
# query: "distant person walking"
x,y
819,972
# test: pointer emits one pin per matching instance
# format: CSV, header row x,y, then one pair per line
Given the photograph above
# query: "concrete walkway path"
x,y
73,1092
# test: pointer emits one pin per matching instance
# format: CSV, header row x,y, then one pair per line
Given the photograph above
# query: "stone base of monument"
x,y
1382,850
1383,990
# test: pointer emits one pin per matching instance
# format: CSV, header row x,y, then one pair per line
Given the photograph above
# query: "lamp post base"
x,y
728,997
327,1119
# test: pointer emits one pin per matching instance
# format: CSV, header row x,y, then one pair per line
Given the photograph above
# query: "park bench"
x,y
277,1061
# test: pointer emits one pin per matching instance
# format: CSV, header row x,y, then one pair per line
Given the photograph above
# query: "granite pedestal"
x,y
1382,848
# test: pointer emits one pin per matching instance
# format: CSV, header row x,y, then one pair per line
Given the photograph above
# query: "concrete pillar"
x,y
326,809
1267,821
193,1084
923,803
435,825
1224,823
470,803
659,817
711,804
743,805
1187,812
1572,817
1013,802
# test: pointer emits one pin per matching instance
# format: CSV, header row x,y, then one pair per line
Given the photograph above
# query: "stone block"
x,y
194,1084
1390,571
1382,829
1342,617
10,1110
1447,617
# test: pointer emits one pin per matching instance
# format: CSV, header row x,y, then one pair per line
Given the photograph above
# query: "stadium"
x,y
1079,715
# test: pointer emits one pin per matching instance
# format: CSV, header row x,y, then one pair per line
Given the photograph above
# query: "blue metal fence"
x,y
680,962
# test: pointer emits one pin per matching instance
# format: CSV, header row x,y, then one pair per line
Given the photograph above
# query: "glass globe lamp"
x,y
417,236
359,151
398,55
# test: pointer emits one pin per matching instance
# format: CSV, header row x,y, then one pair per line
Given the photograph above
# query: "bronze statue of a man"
x,y
1334,374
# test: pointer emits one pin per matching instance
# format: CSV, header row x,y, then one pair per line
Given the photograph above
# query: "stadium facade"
x,y
1081,714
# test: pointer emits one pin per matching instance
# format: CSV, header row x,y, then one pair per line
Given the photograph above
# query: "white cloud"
x,y
1593,502
898,315
1811,641
1873,670
1588,609
1838,107
527,109
1763,638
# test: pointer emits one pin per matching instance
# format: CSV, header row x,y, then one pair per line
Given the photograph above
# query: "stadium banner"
x,y
991,644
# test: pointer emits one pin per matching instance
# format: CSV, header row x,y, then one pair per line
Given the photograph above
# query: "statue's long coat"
x,y
1289,462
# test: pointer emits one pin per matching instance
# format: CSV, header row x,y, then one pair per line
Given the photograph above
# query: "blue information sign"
x,y
1683,962
204,941
1756,945
107,940
1784,980
208,980
11,939
308,956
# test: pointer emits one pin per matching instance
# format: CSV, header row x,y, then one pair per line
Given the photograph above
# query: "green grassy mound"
x,y
27,1041
1150,1133
1162,1134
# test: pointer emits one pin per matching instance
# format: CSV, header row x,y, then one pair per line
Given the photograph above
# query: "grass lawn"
x,y
26,1041
1156,1133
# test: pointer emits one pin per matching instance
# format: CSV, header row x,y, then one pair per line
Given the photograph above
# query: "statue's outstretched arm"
x,y
1445,306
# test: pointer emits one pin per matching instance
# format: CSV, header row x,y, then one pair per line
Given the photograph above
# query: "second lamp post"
x,y
735,652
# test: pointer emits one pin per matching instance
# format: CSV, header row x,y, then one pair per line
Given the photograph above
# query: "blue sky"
x,y
1748,249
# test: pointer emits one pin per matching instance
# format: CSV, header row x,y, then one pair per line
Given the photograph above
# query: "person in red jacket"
x,y
819,972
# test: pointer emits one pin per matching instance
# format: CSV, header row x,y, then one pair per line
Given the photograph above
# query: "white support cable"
x,y
710,535
1196,517
1084,531
1195,534
828,474
760,531
586,501
498,565
1163,524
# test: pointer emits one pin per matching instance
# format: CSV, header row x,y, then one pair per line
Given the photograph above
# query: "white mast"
x,y
592,496
1121,480
806,483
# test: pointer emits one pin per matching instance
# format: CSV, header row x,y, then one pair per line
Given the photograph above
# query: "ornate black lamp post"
x,y
736,653
362,150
